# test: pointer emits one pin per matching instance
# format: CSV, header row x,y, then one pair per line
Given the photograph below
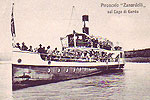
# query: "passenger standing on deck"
x,y
36,49
49,54
82,54
40,49
49,51
30,49
43,50
55,52
24,47
18,46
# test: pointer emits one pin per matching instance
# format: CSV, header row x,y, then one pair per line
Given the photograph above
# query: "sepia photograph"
x,y
74,50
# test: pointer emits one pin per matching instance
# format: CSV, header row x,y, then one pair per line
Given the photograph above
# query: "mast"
x,y
74,35
13,27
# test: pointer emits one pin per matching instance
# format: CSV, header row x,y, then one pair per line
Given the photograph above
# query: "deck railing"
x,y
52,57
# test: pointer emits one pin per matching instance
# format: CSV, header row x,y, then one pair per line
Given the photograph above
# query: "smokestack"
x,y
84,19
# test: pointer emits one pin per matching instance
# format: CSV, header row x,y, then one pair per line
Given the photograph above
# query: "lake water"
x,y
5,81
132,84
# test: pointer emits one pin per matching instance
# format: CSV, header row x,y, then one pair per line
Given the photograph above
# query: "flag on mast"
x,y
12,23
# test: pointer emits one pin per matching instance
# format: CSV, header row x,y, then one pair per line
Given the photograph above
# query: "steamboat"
x,y
81,55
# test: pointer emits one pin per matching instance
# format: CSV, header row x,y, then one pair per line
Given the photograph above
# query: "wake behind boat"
x,y
81,55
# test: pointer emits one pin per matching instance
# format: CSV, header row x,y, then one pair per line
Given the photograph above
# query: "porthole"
x,y
59,70
19,60
74,69
80,69
49,70
67,70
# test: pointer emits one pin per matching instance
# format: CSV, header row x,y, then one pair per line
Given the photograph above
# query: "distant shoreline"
x,y
140,56
138,59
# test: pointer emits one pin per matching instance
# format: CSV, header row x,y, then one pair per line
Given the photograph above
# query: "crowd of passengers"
x,y
40,49
108,45
47,53
87,55
95,43
102,44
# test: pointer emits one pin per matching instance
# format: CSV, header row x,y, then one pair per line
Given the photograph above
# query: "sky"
x,y
45,21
